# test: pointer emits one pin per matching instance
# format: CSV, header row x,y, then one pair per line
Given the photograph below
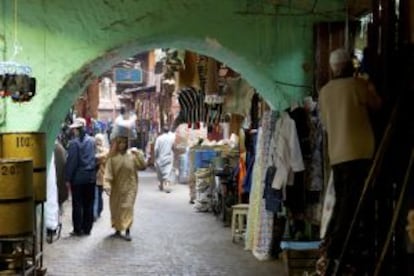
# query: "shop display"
x,y
204,185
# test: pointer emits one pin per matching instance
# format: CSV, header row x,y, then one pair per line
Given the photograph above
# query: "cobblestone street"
x,y
168,238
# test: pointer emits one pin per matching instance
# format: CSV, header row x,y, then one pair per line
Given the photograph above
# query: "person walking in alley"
x,y
345,105
101,154
80,174
121,182
164,158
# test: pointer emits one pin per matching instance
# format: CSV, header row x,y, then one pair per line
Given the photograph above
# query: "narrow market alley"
x,y
168,238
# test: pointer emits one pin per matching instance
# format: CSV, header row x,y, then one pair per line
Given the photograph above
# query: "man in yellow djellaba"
x,y
121,183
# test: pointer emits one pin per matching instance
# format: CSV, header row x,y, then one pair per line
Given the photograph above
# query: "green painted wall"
x,y
68,43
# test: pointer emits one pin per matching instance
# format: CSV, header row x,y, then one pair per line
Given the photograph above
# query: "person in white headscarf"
x,y
126,121
345,104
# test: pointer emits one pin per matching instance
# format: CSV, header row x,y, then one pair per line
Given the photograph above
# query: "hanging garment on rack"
x,y
259,233
238,96
51,205
314,171
187,99
202,71
188,75
273,197
251,141
212,77
192,105
286,152
303,129
201,106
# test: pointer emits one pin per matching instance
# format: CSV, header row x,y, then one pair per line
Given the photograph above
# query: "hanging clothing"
x,y
191,103
238,96
188,75
314,170
285,152
251,141
259,232
240,177
303,129
51,205
60,162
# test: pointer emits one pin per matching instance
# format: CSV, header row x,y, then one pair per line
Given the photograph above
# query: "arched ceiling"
x,y
70,43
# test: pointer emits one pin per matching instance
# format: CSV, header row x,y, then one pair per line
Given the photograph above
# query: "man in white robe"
x,y
164,158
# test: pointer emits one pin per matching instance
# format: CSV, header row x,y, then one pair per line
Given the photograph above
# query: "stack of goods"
x,y
204,184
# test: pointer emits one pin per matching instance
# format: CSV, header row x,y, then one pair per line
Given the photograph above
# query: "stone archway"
x,y
68,45
66,96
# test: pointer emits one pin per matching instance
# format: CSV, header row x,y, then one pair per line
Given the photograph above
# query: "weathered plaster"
x,y
68,43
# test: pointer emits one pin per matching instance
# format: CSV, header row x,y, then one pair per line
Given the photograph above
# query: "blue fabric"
x,y
80,164
203,157
294,245
273,197
250,159
247,182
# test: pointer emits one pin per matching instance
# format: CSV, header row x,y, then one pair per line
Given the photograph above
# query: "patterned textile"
x,y
259,231
314,169
255,196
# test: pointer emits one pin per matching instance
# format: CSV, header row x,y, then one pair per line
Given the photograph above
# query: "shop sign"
x,y
127,75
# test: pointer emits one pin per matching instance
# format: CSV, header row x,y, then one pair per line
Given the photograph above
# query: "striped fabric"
x,y
191,103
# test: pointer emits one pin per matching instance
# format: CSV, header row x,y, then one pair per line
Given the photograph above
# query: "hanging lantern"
x,y
16,83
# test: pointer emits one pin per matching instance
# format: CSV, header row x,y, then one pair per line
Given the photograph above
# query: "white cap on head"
x,y
78,122
339,56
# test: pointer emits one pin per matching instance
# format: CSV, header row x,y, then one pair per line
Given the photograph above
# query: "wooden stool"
x,y
239,220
